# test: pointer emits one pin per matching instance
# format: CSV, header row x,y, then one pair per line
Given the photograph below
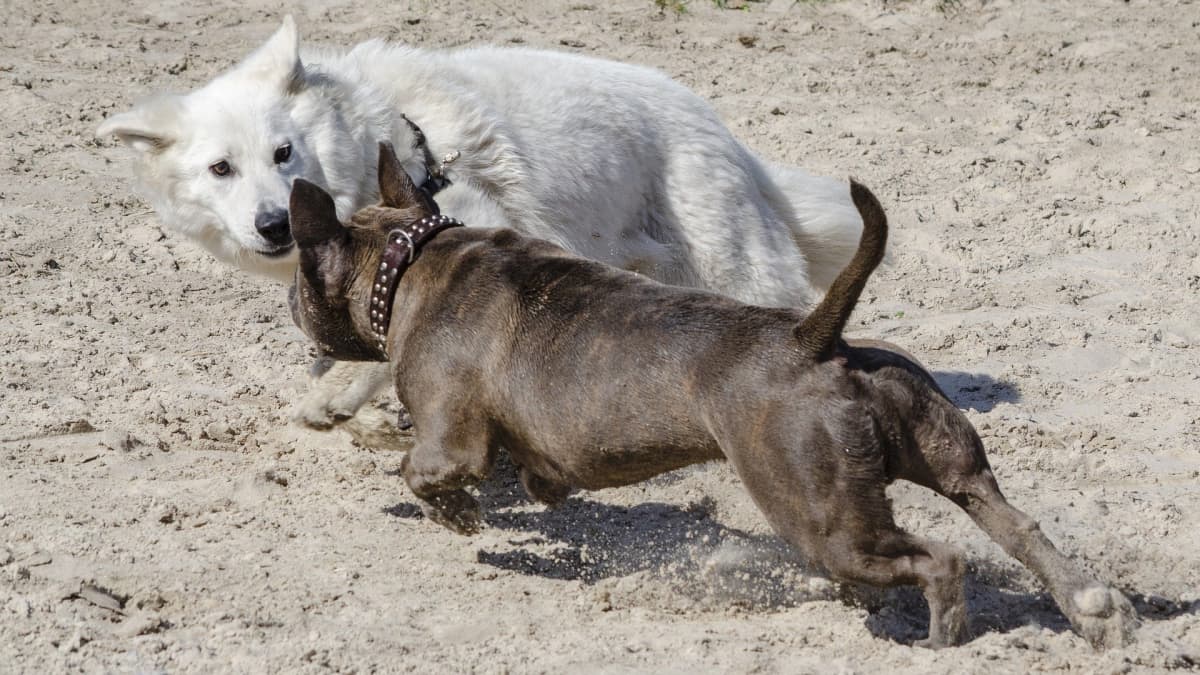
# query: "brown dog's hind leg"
x,y
1102,615
437,476
844,522
893,558
950,459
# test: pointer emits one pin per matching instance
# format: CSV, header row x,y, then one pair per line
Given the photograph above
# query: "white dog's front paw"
x,y
338,390
346,403
314,410
340,397
376,428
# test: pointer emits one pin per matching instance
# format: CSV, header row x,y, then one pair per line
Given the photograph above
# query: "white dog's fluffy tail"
x,y
827,226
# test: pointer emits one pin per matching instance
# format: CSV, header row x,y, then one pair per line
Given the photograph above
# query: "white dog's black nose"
x,y
273,226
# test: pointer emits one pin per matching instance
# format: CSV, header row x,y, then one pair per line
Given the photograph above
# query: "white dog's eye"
x,y
283,153
220,169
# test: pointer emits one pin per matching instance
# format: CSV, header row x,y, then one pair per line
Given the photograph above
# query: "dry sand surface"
x,y
1041,163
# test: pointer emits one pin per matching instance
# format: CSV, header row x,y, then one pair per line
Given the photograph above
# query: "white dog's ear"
x,y
149,128
277,62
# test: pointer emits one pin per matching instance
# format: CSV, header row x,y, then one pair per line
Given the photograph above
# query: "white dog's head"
x,y
218,163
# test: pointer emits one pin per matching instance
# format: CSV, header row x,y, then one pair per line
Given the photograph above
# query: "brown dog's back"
x,y
589,337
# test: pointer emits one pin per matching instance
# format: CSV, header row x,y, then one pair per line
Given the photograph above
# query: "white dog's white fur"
x,y
615,162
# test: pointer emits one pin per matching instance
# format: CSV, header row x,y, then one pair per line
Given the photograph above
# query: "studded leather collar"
x,y
401,249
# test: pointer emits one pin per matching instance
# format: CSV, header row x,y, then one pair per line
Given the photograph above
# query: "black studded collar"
x,y
403,245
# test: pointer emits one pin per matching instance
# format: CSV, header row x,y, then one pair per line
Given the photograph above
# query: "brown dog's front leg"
x,y
455,510
437,477
843,520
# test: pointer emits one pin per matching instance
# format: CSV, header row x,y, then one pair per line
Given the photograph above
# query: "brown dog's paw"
x,y
544,490
952,632
930,643
1105,617
455,510
941,641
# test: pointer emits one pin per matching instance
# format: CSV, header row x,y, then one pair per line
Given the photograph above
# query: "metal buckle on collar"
x,y
412,247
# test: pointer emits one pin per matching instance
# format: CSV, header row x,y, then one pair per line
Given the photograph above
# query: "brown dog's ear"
x,y
395,187
313,215
321,238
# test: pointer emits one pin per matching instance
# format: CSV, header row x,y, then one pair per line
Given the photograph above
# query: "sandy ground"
x,y
1041,165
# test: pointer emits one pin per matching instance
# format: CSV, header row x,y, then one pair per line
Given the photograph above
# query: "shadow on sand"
x,y
976,390
652,550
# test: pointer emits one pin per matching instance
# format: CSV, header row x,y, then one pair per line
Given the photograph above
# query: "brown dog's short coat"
x,y
593,377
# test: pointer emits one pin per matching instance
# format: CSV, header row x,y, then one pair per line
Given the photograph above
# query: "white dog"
x,y
612,161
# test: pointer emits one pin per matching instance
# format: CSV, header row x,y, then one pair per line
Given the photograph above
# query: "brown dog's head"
x,y
338,263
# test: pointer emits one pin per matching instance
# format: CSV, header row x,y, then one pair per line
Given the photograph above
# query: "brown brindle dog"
x,y
593,377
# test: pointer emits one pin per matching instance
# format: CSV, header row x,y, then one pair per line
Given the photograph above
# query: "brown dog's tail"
x,y
819,331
